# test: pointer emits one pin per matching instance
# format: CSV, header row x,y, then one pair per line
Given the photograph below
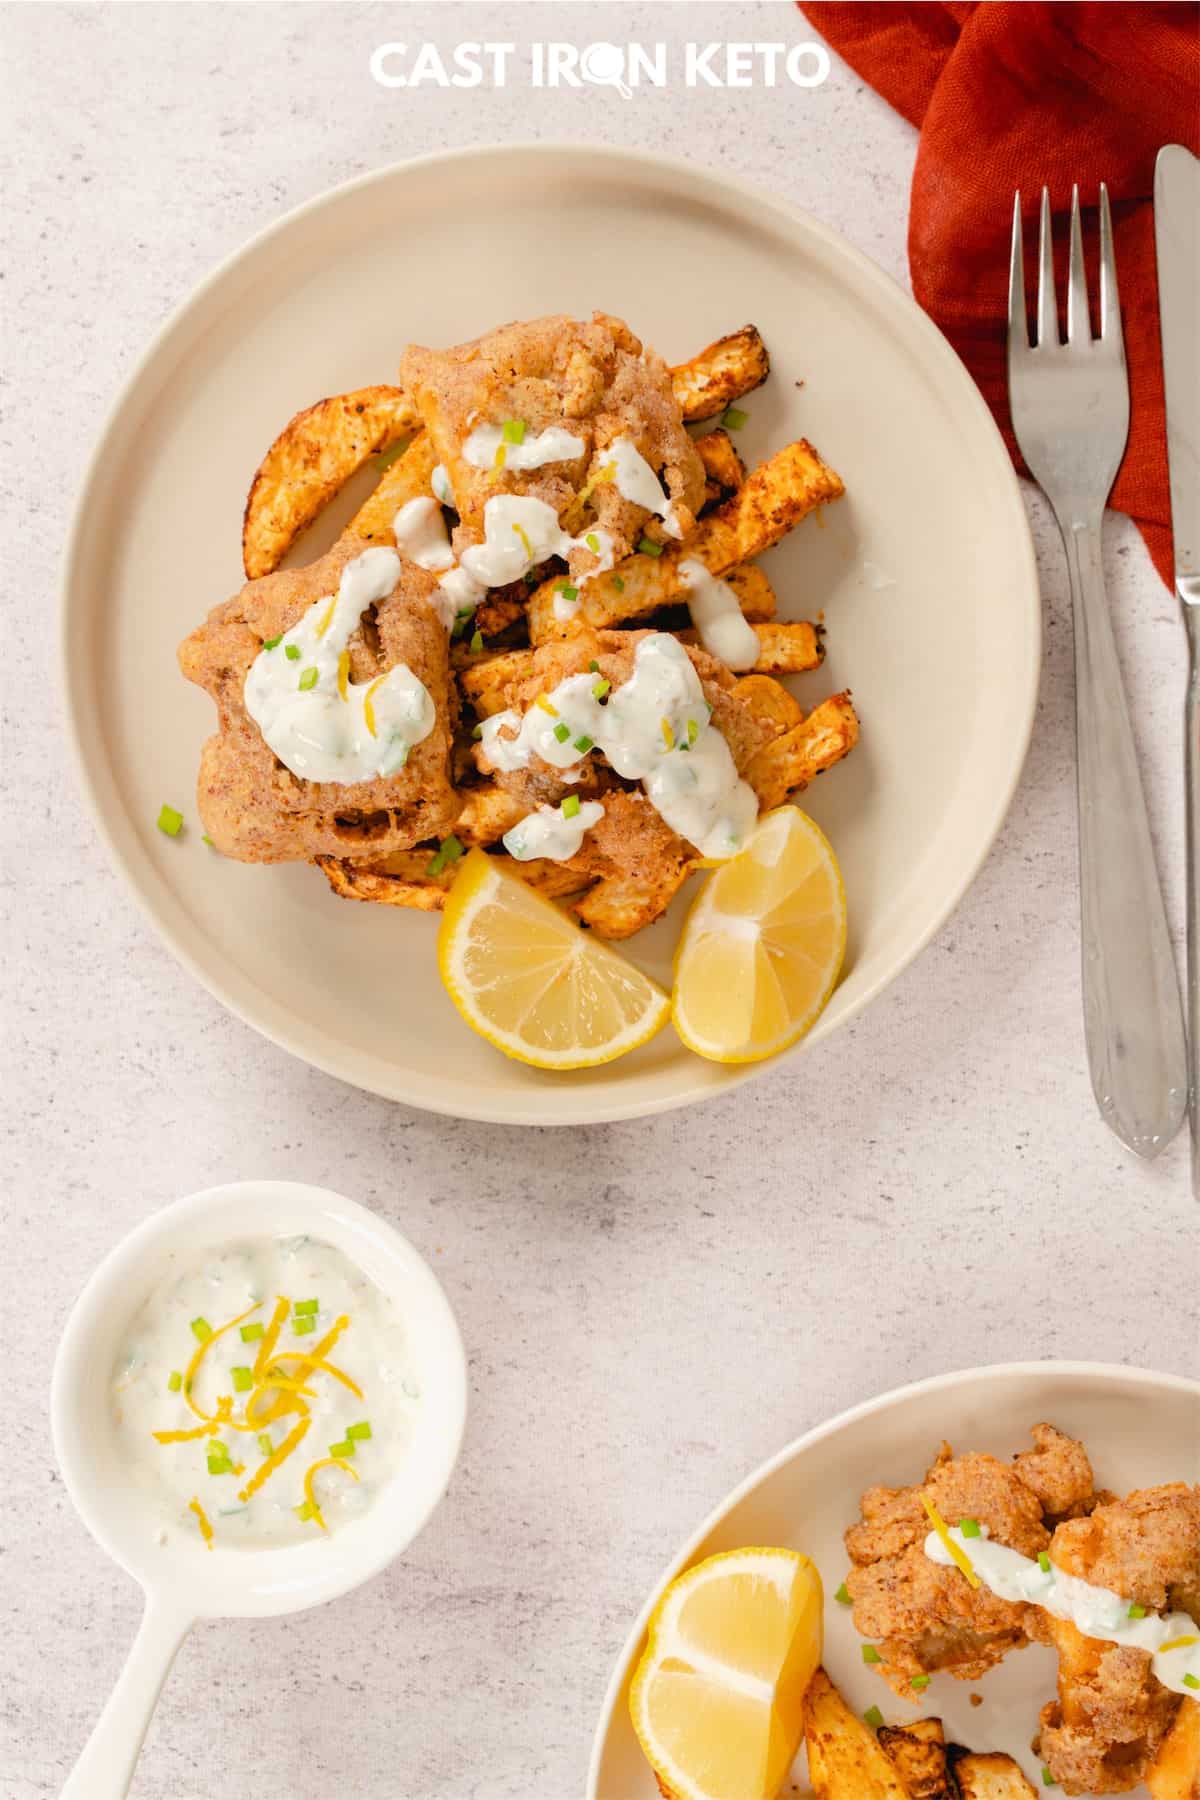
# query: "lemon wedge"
x,y
718,1698
763,945
532,983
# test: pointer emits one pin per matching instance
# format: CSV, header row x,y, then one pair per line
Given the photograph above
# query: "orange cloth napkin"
x,y
1016,96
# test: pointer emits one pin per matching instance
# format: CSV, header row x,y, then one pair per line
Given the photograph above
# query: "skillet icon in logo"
x,y
604,66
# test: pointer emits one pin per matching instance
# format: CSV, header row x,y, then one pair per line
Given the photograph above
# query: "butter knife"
x,y
1177,241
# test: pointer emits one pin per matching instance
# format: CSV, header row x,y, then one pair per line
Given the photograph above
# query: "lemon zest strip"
x,y
209,1428
368,708
317,1364
189,1374
525,543
206,1530
343,673
327,618
329,1462
278,1456
959,1555
252,1420
1179,1643
283,1307
501,458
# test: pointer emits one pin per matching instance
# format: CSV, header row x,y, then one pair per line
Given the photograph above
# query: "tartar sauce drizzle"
x,y
636,481
654,729
553,445
717,616
1096,1612
550,834
320,725
420,532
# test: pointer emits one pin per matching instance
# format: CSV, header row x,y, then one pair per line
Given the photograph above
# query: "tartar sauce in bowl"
x,y
264,1394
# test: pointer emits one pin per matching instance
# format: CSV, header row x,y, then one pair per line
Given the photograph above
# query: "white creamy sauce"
x,y
654,729
322,726
439,481
717,616
482,449
217,1469
549,833
518,532
636,481
1096,1612
421,534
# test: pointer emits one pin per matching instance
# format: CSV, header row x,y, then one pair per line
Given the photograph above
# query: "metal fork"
x,y
1070,412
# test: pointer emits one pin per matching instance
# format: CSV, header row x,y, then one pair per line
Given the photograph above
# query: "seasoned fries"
x,y
845,1761
989,1776
723,372
1175,1773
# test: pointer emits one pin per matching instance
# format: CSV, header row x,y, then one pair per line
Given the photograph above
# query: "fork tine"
x,y
1079,330
1110,299
1018,325
1047,300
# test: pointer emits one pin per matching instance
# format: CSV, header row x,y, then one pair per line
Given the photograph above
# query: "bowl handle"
x,y
105,1769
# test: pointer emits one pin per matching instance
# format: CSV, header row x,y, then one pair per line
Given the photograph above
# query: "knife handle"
x,y
1188,590
1133,1015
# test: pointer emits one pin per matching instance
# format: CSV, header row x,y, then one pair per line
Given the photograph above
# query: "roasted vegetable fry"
x,y
789,762
774,498
1175,1773
787,647
406,880
313,457
406,479
616,909
723,466
988,1776
844,1760
721,373
918,1754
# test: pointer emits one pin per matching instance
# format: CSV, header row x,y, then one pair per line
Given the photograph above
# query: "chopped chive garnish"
x,y
306,1306
264,1443
477,732
308,680
1043,1562
361,1431
201,1330
174,1381
562,732
843,1596
303,1326
969,1527
1136,1611
709,705
513,431
249,1334
570,806
1047,1778
593,543
873,1717
292,652
693,731
619,583
600,689
169,821
207,840
271,643
870,1654
448,851
1191,1681
476,643
460,624
733,418
242,1378
567,591
593,666
343,1449
920,1682
219,1465
584,744
304,1511
648,547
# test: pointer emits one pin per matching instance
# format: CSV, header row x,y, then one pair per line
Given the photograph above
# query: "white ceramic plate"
x,y
925,574
1139,1428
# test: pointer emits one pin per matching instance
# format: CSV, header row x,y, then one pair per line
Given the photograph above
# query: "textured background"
x,y
650,1308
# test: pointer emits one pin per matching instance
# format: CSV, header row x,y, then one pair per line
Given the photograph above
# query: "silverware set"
x,y
1070,412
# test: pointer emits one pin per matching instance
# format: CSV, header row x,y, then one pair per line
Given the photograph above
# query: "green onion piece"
x,y
306,1306
1043,1562
710,707
601,688
920,1682
448,851
170,821
567,591
477,732
693,731
593,666
873,1717
570,806
361,1431
242,1378
870,1654
513,431
969,1527
1192,1681
304,1511
264,1443
1047,1778
292,652
344,1449
593,543
307,680
270,643
460,624
562,732
584,744
174,1381
477,643
201,1330
207,840
648,547
1136,1611
249,1334
733,418
619,583
303,1326
219,1465
843,1596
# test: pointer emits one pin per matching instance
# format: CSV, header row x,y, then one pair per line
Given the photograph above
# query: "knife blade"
x,y
1177,242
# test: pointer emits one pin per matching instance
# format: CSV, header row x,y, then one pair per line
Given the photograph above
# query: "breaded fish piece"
x,y
256,810
1059,1472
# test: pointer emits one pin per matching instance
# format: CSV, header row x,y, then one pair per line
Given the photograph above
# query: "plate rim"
x,y
981,1374
161,908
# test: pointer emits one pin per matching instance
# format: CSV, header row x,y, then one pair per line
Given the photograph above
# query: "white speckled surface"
x,y
649,1308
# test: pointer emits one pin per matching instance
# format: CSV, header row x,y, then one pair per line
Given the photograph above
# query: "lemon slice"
x,y
763,944
532,983
718,1698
